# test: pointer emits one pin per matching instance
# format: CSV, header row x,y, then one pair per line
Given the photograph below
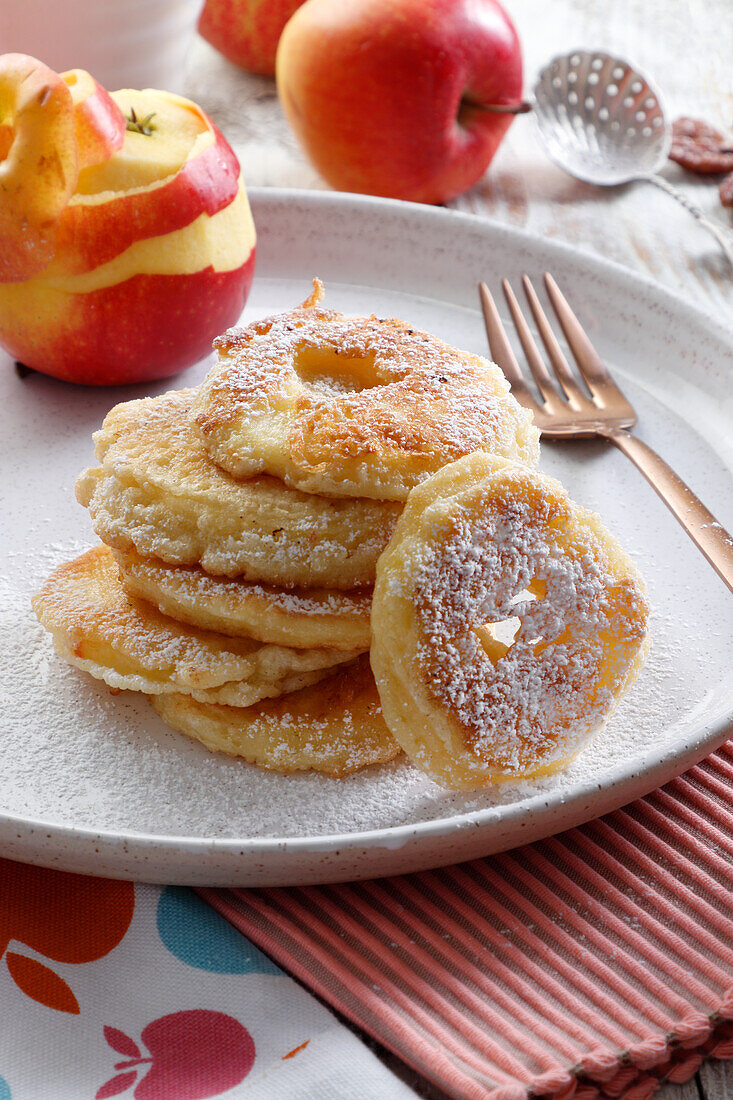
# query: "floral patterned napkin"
x,y
114,989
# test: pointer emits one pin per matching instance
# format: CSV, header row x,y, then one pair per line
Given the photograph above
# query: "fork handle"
x,y
701,525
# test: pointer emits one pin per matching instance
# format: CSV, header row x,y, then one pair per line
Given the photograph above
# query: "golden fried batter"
x,y
129,644
301,617
157,491
507,624
353,406
335,727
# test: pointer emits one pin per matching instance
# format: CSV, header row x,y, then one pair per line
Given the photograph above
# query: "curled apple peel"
x,y
39,164
99,123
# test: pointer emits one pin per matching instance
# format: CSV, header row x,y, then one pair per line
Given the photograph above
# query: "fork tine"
x,y
576,398
501,350
592,370
540,373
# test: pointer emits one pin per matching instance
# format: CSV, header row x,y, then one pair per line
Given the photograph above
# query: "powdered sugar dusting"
x,y
158,491
417,403
537,702
335,727
128,641
75,754
295,601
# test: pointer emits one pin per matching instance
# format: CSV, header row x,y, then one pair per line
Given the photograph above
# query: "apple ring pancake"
x,y
507,624
300,617
130,645
335,727
352,406
157,491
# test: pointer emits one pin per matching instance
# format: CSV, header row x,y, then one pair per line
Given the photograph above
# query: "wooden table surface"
x,y
686,46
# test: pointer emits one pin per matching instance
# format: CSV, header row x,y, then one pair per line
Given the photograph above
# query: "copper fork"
x,y
567,412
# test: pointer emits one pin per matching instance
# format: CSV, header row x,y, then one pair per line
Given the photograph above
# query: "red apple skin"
x,y
149,326
108,124
90,235
102,130
99,123
247,31
143,280
380,91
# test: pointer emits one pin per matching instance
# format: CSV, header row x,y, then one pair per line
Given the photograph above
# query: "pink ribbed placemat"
x,y
600,960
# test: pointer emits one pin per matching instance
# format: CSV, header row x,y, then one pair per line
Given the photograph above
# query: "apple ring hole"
x,y
497,638
328,374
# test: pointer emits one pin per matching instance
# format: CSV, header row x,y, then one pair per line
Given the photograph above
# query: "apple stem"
x,y
140,125
503,108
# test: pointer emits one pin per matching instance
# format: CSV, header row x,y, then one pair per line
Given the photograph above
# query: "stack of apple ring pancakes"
x,y
241,524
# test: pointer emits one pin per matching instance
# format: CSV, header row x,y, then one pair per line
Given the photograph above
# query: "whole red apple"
x,y
247,31
399,97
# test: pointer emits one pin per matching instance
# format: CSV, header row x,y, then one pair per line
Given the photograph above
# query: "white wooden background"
x,y
686,46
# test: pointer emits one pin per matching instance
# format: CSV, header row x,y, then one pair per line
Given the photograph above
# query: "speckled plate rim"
x,y
170,858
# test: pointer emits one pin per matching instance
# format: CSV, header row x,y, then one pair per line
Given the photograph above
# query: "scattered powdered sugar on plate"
x,y
469,562
74,754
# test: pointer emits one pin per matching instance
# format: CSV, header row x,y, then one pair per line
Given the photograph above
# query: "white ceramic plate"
x,y
96,783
